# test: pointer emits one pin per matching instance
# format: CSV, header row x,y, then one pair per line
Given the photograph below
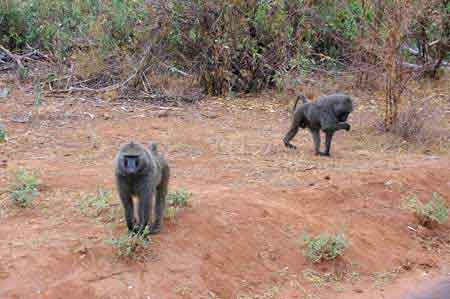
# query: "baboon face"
x,y
131,158
342,109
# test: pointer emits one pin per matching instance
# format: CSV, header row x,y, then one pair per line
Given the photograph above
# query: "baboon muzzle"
x,y
131,163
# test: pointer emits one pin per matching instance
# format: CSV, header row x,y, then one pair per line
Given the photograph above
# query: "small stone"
x,y
162,114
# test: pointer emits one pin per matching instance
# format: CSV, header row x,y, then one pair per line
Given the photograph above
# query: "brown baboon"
x,y
328,113
143,173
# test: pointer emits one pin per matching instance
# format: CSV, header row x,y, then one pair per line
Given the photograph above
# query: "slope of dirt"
x,y
252,200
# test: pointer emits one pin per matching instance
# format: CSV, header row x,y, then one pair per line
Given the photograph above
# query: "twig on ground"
x,y
16,58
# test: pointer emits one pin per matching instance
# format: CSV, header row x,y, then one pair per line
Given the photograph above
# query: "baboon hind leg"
x,y
297,122
316,140
289,135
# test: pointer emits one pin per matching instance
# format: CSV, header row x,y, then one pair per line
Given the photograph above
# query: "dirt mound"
x,y
252,200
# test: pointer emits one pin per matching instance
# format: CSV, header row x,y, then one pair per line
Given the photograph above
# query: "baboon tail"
x,y
301,97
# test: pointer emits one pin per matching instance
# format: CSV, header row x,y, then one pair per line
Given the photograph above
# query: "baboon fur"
x,y
327,113
142,173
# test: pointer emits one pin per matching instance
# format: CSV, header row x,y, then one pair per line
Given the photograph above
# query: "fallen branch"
x,y
16,58
165,108
87,89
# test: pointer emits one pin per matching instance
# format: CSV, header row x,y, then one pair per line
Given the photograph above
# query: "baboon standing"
x,y
143,173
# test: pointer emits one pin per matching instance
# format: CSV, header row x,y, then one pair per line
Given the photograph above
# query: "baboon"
x,y
327,113
439,290
143,173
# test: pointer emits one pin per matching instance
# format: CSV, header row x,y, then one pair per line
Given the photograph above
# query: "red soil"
x,y
252,200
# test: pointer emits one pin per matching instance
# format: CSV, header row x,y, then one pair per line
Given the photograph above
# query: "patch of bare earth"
x,y
252,200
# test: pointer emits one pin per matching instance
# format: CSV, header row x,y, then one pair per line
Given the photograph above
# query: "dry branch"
x,y
16,58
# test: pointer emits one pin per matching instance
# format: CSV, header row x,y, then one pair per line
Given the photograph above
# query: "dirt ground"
x,y
252,201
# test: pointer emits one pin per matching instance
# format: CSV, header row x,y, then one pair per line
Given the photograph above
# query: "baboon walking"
x,y
328,113
143,173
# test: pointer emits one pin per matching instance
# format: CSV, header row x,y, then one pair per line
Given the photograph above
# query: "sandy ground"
x,y
252,201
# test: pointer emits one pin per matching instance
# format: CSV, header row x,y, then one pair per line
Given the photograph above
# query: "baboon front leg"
x,y
342,126
343,117
145,195
316,140
328,138
128,209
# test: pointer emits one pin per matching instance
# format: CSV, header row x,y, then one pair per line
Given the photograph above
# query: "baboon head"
x,y
342,107
132,159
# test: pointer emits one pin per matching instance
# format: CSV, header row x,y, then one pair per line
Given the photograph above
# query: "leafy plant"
x,y
58,25
37,95
130,245
430,213
26,188
324,246
95,205
23,73
176,200
2,133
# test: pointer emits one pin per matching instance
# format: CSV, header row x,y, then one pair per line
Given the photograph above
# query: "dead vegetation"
x,y
130,50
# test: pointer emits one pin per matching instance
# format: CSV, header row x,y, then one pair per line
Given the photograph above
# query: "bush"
x,y
25,189
324,247
411,123
414,123
130,245
2,133
246,45
176,200
59,25
431,213
93,206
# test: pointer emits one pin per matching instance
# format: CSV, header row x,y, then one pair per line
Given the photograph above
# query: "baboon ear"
x,y
153,147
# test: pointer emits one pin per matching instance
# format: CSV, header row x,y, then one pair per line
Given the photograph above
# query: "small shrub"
x,y
2,134
95,205
431,213
176,200
414,123
25,189
324,247
37,95
130,245
411,124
